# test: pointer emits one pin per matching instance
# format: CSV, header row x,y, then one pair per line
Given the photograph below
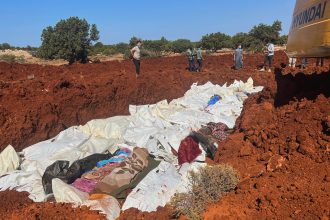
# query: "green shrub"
x,y
265,32
253,41
108,52
207,185
127,54
216,41
180,45
12,58
5,46
120,48
144,53
282,40
150,53
156,45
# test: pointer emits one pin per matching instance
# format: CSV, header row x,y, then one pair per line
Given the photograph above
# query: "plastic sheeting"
x,y
159,186
104,203
61,170
68,194
9,160
158,127
70,145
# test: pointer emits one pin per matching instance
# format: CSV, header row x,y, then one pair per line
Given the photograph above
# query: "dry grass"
x,y
11,58
208,184
26,57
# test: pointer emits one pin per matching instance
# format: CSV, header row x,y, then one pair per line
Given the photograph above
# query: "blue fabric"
x,y
112,160
213,100
119,156
121,152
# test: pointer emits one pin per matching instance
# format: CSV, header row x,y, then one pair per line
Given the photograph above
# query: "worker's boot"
x,y
262,69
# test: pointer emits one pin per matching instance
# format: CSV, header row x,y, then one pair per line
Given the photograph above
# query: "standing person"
x,y
191,60
199,57
238,57
304,62
136,56
292,62
320,61
269,54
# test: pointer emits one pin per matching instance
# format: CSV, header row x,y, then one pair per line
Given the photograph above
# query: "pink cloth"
x,y
85,185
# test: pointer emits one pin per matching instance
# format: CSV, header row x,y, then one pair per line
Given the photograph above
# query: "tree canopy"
x,y
216,41
69,39
180,45
264,32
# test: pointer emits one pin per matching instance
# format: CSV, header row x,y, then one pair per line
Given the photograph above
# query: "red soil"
x,y
282,151
18,206
280,146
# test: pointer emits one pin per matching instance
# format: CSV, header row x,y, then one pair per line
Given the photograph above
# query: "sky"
x,y
22,21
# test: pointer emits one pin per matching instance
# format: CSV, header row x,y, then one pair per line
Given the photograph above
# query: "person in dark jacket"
x,y
191,60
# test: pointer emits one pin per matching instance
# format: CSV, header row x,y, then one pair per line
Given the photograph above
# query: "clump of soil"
x,y
162,213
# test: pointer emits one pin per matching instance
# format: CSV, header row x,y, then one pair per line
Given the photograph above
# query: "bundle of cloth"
x,y
68,174
108,174
210,136
91,178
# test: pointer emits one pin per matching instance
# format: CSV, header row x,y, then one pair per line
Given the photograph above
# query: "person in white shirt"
x,y
136,56
292,62
269,54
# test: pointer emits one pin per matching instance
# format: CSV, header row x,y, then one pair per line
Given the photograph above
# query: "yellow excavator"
x,y
309,34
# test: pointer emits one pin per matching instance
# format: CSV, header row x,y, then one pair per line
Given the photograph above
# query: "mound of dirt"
x,y
282,151
15,205
280,146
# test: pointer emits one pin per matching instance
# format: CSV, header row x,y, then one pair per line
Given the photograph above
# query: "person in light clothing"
x,y
292,62
136,56
269,54
199,56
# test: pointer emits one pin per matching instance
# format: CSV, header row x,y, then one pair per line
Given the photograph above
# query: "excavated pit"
x,y
280,146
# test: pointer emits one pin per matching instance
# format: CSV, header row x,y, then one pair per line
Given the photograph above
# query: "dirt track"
x,y
280,147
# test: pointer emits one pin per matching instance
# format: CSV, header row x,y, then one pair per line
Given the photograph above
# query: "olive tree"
x,y
69,39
